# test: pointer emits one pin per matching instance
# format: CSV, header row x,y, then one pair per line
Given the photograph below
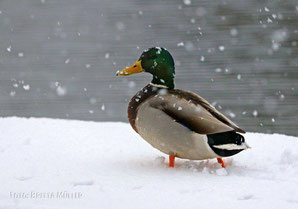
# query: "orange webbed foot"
x,y
220,161
172,161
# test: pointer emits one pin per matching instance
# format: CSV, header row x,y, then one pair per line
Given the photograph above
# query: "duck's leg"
x,y
171,161
220,161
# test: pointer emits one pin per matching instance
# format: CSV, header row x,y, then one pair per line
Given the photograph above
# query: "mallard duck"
x,y
178,123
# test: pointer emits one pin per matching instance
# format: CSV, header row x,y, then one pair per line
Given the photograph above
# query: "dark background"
x,y
58,58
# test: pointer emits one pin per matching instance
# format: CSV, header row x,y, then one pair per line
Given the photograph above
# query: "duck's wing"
x,y
193,112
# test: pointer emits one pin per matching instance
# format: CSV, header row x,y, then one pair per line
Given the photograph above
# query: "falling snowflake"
x,y
180,44
233,32
281,97
67,61
218,70
103,107
61,91
232,115
255,113
26,87
221,48
162,91
12,93
187,2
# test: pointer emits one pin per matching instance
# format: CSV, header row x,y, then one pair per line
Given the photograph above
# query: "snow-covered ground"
x,y
63,164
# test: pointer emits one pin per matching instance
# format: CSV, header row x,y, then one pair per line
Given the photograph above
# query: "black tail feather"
x,y
230,137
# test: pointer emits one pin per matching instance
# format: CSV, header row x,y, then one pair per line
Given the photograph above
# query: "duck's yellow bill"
x,y
135,68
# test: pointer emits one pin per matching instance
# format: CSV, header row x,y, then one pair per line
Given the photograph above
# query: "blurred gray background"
x,y
58,58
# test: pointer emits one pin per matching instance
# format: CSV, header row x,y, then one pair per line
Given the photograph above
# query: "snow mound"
x,y
63,164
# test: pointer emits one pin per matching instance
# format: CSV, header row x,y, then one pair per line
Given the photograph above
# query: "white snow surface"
x,y
108,165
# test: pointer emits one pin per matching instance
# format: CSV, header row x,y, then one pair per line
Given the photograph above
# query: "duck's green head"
x,y
156,61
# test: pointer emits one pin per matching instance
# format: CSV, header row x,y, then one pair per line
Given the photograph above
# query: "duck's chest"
x,y
137,100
